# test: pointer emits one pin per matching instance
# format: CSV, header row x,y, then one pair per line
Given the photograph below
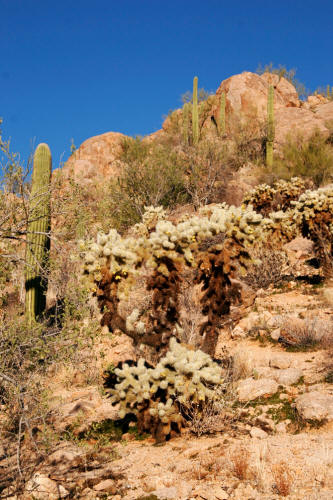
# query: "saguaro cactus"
x,y
195,113
37,238
270,127
222,115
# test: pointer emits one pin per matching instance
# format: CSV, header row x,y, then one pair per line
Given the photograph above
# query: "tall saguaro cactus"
x,y
222,115
270,127
195,113
37,238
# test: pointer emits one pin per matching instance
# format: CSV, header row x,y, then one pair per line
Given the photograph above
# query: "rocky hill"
x,y
246,99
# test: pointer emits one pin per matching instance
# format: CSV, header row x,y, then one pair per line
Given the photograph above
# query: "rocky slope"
x,y
246,99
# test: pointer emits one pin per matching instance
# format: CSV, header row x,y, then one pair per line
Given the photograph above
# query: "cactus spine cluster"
x,y
222,115
37,237
270,127
195,112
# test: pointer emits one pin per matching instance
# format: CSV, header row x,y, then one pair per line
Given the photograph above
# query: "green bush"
x,y
153,175
308,158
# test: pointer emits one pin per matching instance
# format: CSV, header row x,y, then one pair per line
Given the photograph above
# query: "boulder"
x,y
280,361
289,376
315,405
43,488
258,433
97,157
250,389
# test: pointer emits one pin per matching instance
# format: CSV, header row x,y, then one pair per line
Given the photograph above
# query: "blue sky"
x,y
77,68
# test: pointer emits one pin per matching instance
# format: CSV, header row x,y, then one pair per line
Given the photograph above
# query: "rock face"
x,y
96,157
246,97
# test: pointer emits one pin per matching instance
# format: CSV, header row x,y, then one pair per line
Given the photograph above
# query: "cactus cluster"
x,y
156,395
313,215
266,199
216,243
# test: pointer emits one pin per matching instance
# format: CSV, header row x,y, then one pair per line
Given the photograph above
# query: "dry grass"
x,y
240,461
283,478
242,366
308,334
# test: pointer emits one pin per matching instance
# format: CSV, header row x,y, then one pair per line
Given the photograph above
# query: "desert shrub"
x,y
240,462
268,268
310,158
283,478
248,139
306,335
209,168
153,175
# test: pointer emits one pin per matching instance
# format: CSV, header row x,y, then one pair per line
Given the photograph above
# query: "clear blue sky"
x,y
78,68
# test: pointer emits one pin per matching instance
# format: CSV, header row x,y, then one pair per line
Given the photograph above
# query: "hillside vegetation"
x,y
182,298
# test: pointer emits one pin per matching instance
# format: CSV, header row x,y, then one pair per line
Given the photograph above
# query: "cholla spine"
x,y
195,112
270,127
37,238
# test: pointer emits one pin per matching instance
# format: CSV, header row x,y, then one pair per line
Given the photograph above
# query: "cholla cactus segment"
x,y
182,377
149,220
313,215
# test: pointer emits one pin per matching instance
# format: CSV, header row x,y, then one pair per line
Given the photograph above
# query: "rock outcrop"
x,y
246,100
97,157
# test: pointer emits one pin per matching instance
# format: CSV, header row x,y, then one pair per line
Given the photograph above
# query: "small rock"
x,y
289,376
107,485
64,459
275,334
43,488
219,493
166,493
250,389
315,405
128,437
258,433
280,361
281,428
238,333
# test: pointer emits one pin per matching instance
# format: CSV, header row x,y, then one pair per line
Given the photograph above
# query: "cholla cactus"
x,y
313,215
216,242
266,199
149,220
156,395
